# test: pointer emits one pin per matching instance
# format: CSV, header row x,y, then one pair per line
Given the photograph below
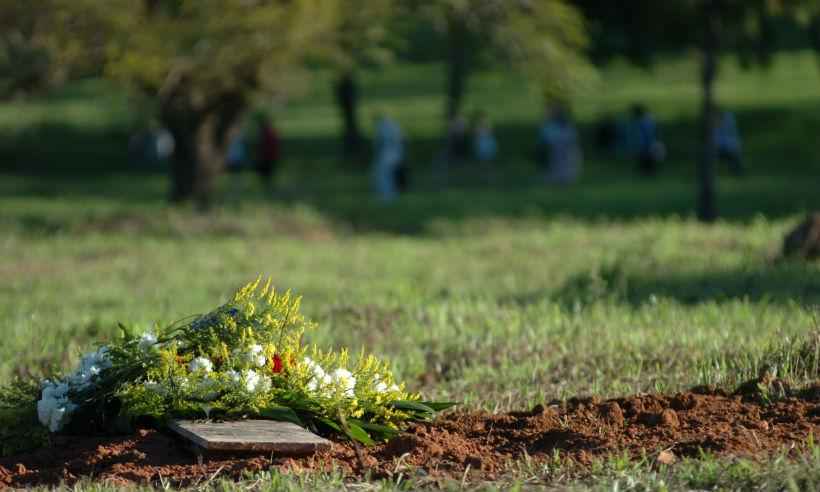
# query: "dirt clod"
x,y
670,419
612,413
583,430
804,240
666,458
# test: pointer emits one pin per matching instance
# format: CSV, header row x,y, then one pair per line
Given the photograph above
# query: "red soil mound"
x,y
582,430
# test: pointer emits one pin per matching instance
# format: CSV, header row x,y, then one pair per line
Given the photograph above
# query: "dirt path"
x,y
582,430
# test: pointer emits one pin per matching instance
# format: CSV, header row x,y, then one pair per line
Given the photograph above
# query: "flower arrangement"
x,y
246,358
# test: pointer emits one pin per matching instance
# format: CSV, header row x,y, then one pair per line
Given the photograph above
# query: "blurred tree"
x,y
33,53
361,39
24,62
205,61
544,39
644,28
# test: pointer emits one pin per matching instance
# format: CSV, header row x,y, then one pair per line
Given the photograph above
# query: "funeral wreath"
x,y
244,359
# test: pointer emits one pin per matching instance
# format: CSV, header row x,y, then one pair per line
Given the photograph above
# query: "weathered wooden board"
x,y
282,438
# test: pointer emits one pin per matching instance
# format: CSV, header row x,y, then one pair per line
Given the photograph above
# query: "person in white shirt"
x,y
559,138
388,156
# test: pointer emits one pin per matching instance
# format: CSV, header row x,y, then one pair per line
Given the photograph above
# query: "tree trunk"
x,y
814,32
706,201
201,138
182,124
348,101
457,65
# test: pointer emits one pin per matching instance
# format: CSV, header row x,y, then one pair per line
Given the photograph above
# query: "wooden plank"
x,y
282,438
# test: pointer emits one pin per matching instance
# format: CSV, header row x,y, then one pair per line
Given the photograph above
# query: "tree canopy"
x,y
543,39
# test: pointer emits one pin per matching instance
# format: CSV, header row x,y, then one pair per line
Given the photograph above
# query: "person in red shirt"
x,y
268,149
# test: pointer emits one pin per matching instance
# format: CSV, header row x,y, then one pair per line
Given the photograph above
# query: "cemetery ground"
x,y
496,291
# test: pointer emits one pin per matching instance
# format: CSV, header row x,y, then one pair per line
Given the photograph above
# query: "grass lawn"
x,y
495,291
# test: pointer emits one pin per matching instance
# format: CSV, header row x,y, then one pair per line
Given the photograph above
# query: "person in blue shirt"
x,y
485,146
650,150
728,143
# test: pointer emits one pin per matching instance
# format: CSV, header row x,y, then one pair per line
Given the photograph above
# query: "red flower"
x,y
277,363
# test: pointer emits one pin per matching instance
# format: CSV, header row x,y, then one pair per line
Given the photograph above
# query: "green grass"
x,y
498,295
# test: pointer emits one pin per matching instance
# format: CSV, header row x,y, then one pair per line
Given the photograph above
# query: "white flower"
x,y
91,365
147,341
381,386
235,376
318,382
257,356
80,379
201,363
319,379
254,355
99,358
56,419
250,381
54,407
311,365
345,381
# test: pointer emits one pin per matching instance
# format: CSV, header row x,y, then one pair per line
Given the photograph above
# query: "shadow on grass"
x,y
782,283
68,162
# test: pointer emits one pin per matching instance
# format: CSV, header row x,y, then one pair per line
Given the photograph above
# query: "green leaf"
x,y
127,332
419,409
333,425
439,405
355,432
282,414
383,431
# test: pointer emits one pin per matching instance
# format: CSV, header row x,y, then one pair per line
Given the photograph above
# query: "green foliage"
x,y
19,429
361,35
210,47
544,40
643,29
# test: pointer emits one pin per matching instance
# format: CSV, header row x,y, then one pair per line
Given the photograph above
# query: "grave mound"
x,y
478,444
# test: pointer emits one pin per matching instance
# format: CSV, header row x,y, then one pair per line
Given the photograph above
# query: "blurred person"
x,y
267,151
485,145
458,138
727,142
236,160
560,150
152,145
164,144
650,149
346,98
388,149
237,155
